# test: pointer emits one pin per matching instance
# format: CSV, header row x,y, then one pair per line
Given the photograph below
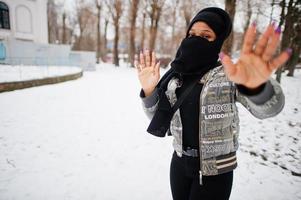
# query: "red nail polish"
x,y
254,23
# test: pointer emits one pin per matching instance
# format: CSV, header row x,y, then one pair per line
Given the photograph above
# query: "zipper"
x,y
203,81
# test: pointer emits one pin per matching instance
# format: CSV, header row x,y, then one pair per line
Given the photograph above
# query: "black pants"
x,y
185,185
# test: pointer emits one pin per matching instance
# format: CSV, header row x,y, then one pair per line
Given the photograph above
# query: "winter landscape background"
x,y
86,139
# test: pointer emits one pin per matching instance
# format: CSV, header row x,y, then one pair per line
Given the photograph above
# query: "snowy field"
x,y
10,73
86,139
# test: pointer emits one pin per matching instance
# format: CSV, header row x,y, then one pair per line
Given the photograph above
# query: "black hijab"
x,y
197,55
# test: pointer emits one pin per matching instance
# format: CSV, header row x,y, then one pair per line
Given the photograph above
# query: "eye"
x,y
206,37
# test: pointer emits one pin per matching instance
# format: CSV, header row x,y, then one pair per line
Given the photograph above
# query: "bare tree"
x,y
64,37
86,21
271,15
295,42
82,18
98,36
287,20
105,41
143,6
115,9
248,15
230,7
154,14
52,21
133,15
174,23
187,7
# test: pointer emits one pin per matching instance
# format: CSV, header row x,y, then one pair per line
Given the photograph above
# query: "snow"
x,y
10,73
86,139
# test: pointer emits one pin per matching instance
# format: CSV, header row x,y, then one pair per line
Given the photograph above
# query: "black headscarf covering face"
x,y
197,55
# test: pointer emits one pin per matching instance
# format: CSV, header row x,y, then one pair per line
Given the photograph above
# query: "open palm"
x,y
148,71
256,62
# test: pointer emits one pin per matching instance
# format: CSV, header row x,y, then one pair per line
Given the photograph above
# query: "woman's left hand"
x,y
256,62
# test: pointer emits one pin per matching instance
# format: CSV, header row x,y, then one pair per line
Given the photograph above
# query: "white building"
x,y
24,20
24,38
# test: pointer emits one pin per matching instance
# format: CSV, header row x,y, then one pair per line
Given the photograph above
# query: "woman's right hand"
x,y
148,71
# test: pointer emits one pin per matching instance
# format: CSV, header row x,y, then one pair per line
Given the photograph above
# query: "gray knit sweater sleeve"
x,y
268,103
150,103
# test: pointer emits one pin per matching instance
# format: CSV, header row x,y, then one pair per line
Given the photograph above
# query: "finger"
x,y
249,39
147,58
142,61
263,40
229,66
136,64
280,60
153,59
157,68
272,45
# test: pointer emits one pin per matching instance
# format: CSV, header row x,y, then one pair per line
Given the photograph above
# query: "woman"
x,y
206,125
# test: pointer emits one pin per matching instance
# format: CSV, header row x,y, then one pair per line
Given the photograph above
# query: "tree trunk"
x,y
116,40
98,42
230,8
173,31
186,8
156,9
115,8
296,40
105,42
52,22
143,32
287,33
64,37
271,15
249,15
132,50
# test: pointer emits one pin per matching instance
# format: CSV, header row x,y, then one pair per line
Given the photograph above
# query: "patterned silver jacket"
x,y
218,118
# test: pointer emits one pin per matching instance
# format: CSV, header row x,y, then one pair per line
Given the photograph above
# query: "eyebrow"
x,y
192,29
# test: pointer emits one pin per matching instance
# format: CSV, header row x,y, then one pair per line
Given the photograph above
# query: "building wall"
x,y
19,52
28,21
26,43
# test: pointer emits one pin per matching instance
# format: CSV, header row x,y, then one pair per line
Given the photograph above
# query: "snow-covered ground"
x,y
86,139
10,73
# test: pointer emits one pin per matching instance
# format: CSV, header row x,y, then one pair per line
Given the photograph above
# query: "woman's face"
x,y
201,29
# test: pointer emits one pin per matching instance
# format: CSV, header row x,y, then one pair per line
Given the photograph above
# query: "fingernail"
x,y
254,23
278,30
289,51
273,23
221,55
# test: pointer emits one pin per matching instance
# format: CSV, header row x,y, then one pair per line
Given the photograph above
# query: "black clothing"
x,y
184,181
160,122
196,55
189,111
217,19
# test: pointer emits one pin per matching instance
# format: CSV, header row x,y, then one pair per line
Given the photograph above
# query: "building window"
x,y
4,16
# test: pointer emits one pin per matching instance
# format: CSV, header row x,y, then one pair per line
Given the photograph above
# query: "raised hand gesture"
x,y
256,62
148,71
